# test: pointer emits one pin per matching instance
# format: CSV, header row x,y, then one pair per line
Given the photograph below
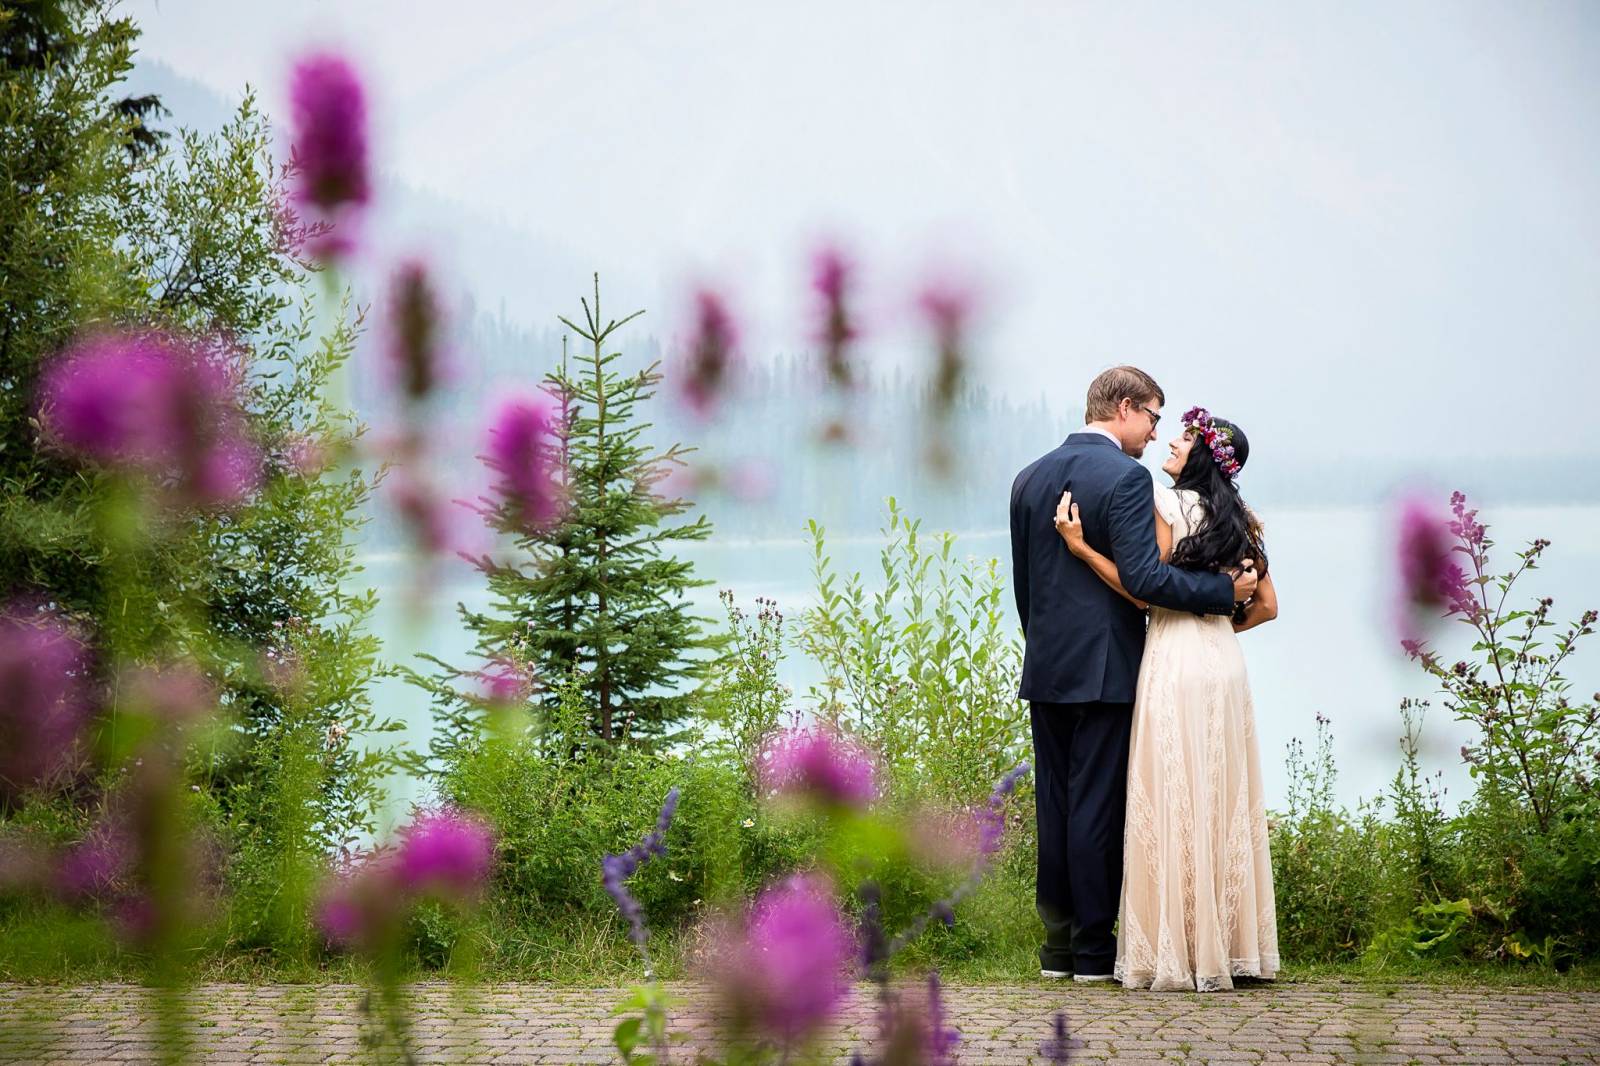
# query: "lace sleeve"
x,y
1168,505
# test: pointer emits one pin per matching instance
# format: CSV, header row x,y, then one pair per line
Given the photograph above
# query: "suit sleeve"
x,y
1133,548
1019,551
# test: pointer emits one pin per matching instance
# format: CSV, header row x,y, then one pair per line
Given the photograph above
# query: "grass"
x,y
993,943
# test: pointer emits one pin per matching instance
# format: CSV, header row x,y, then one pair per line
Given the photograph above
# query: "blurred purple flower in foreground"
x,y
786,975
446,852
425,514
713,354
818,764
415,330
442,853
912,1030
506,683
616,869
328,109
523,453
831,275
1058,1049
150,402
947,309
991,819
361,904
96,866
44,701
1429,578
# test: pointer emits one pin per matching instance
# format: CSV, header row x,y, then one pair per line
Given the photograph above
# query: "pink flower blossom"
x,y
819,764
427,516
831,275
97,866
447,852
165,407
506,683
947,309
361,904
523,453
328,111
713,353
415,328
786,975
1429,578
44,677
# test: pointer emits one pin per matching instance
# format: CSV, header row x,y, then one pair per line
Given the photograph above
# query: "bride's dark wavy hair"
x,y
1229,532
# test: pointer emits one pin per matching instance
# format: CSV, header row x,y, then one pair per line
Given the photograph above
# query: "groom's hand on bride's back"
x,y
1244,581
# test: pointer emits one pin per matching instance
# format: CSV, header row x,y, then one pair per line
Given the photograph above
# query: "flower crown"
x,y
1218,438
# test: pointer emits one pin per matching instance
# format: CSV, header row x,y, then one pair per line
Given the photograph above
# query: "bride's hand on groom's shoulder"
x,y
1068,524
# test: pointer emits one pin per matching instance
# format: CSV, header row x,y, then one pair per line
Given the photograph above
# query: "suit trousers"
x,y
1080,753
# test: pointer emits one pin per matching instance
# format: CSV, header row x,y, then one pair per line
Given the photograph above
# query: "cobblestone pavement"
x,y
1312,1022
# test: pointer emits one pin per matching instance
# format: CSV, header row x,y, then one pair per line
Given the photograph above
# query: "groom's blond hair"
x,y
1111,387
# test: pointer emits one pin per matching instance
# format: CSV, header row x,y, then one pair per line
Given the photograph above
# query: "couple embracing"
x,y
1153,862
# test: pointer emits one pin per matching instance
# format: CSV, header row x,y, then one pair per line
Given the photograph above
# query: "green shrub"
x,y
1329,866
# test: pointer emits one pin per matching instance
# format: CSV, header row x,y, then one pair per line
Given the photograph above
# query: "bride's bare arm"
x,y
1070,526
1262,608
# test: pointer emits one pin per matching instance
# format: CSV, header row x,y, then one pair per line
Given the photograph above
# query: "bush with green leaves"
x,y
924,669
1530,846
104,226
1328,865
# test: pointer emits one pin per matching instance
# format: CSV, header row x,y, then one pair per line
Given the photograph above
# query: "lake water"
x,y
1331,651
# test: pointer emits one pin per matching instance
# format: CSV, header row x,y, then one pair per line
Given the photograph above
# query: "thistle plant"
x,y
1537,747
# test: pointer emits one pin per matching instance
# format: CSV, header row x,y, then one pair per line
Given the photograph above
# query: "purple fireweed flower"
x,y
912,1030
328,111
991,818
1429,579
942,1039
616,869
1058,1049
166,407
787,975
819,764
712,355
1465,524
44,677
360,904
990,821
523,453
427,516
506,683
415,327
96,866
445,852
831,275
947,309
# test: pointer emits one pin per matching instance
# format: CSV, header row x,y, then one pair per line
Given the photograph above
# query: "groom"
x,y
1080,665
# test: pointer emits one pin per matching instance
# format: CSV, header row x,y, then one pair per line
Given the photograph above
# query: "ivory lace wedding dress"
x,y
1197,906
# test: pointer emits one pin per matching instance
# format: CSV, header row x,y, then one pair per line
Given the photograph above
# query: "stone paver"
x,y
1407,1025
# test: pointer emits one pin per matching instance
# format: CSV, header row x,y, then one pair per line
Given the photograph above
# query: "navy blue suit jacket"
x,y
1083,642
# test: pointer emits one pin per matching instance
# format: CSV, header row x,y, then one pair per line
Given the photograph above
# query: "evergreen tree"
x,y
600,603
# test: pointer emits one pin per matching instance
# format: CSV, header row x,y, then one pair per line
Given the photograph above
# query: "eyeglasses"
x,y
1155,418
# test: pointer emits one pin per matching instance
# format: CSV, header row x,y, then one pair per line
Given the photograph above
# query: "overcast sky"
x,y
1377,221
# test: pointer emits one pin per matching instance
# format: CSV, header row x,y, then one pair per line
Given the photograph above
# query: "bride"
x,y
1197,906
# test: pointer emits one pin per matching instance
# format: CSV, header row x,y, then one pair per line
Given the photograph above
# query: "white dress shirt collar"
x,y
1106,433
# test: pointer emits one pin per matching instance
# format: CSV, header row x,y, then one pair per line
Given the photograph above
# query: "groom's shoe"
x,y
1055,975
1092,978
